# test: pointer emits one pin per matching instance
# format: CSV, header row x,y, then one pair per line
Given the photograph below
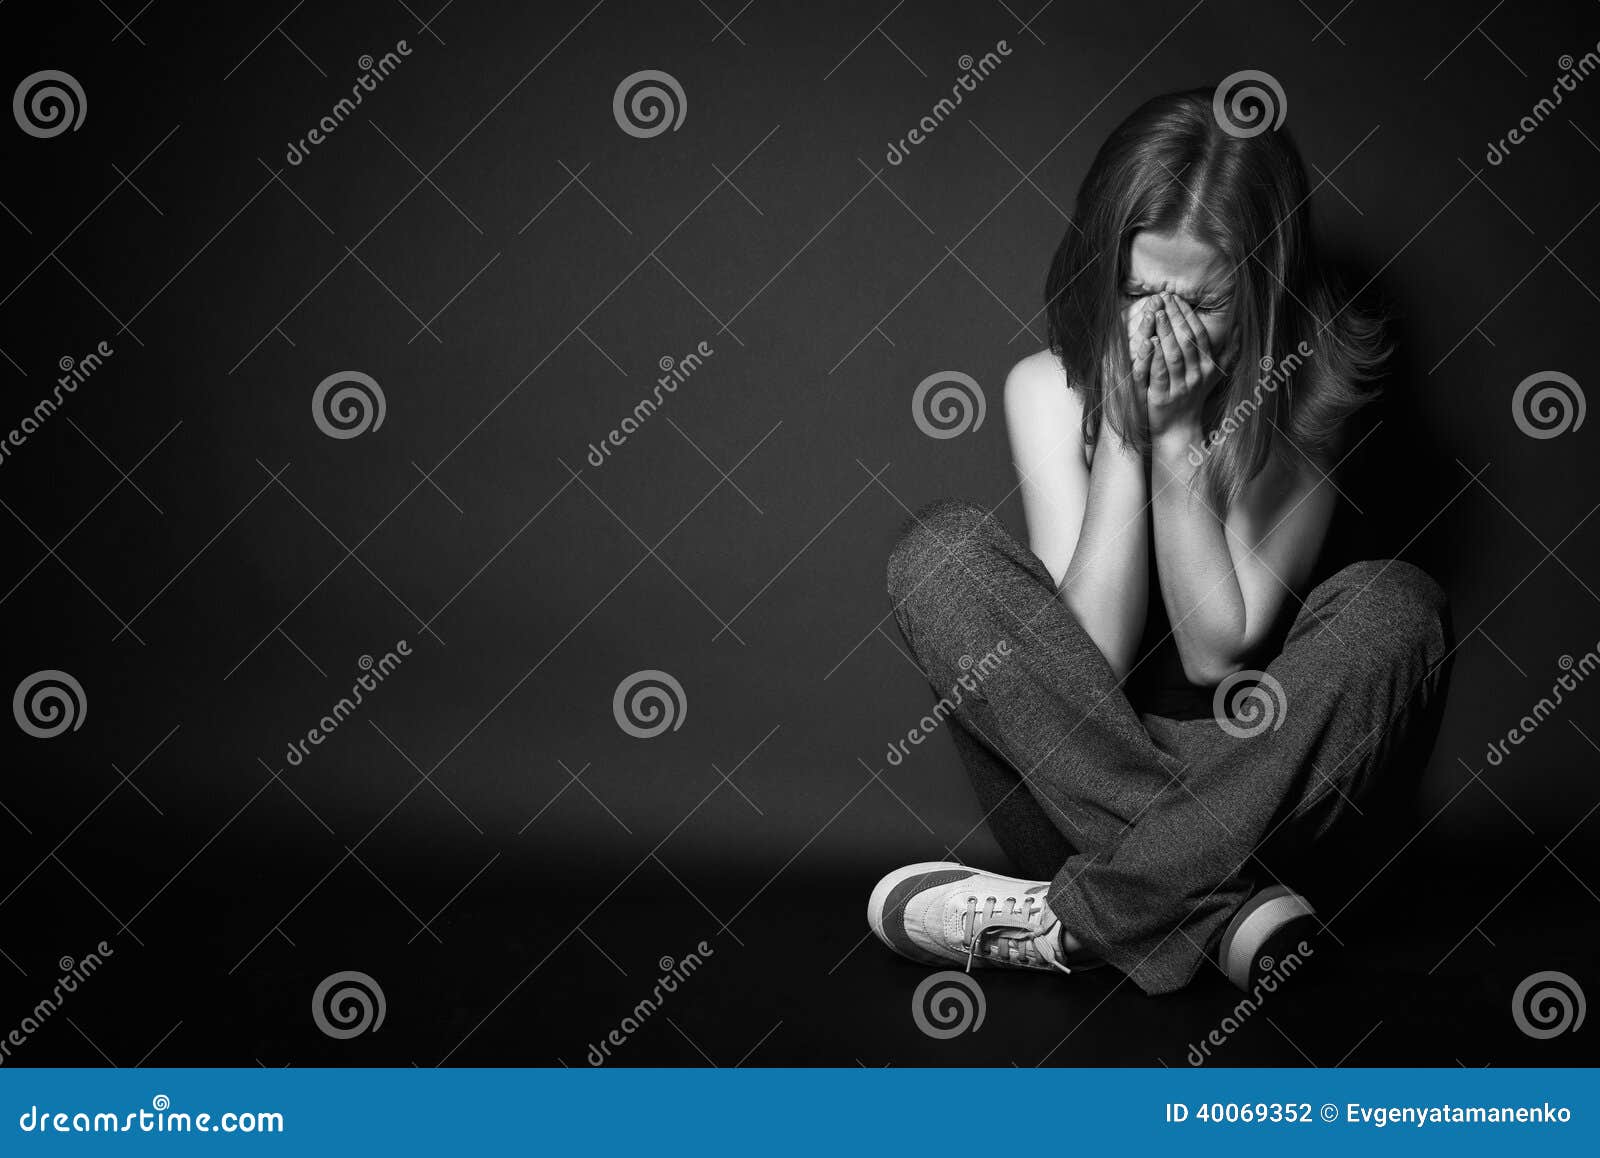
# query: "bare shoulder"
x,y
1038,389
1044,414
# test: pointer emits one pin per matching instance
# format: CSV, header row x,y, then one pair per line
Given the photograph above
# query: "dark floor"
x,y
1432,953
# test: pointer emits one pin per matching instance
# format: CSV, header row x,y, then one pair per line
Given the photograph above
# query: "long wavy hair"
x,y
1172,166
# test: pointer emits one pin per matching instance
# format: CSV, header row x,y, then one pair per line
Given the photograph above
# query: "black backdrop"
x,y
483,239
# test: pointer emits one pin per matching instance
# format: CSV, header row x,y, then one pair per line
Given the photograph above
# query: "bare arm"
x,y
1224,575
1107,582
1086,523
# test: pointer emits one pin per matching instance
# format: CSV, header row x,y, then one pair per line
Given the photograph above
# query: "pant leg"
x,y
1361,678
1020,824
1069,753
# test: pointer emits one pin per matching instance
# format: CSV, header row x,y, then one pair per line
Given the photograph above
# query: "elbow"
x,y
1118,643
1209,658
1210,669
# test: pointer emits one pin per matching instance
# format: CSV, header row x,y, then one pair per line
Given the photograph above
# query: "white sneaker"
x,y
940,912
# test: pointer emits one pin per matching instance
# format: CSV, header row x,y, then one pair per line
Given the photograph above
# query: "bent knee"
x,y
1396,582
1402,604
931,537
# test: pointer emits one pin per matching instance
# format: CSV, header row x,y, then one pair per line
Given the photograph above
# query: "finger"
x,y
1191,316
1144,347
1168,341
1202,341
1188,345
1160,376
1175,309
1135,316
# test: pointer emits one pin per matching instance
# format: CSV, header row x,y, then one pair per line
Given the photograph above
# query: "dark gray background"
x,y
186,493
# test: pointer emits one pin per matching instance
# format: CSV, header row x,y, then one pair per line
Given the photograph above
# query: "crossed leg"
x,y
1150,841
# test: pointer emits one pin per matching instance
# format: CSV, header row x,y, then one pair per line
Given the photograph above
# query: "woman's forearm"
x,y
1198,584
1107,583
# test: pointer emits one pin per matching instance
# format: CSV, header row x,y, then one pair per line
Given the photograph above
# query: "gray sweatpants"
x,y
1154,831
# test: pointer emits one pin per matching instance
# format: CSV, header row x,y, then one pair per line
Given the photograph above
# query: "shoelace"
x,y
1010,933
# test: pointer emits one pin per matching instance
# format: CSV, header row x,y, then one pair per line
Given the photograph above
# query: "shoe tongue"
x,y
1044,936
1049,942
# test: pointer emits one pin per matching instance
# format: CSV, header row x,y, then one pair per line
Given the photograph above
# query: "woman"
x,y
1183,688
